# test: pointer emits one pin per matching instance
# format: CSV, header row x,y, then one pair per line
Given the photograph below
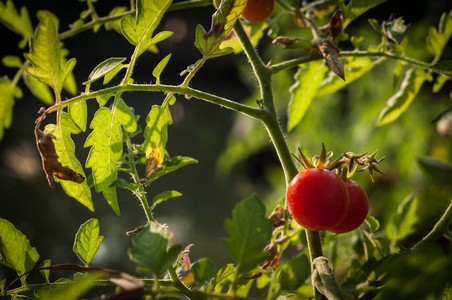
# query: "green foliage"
x,y
355,8
208,43
15,250
437,39
65,149
139,29
223,276
150,249
46,58
105,68
404,219
307,81
106,147
74,290
399,103
249,233
294,273
87,241
8,91
164,196
204,271
19,23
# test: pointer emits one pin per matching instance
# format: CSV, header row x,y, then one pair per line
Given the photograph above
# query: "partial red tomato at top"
x,y
258,10
317,199
357,209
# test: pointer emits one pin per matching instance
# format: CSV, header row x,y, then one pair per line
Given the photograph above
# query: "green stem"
x,y
239,107
305,59
440,228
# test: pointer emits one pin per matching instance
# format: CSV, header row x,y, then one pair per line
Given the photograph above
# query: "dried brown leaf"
x,y
331,55
277,216
50,164
336,24
153,161
185,259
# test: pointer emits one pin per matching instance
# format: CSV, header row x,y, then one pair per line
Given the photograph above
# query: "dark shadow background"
x,y
50,219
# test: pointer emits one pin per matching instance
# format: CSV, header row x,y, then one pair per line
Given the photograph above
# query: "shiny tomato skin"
x,y
317,199
258,10
357,209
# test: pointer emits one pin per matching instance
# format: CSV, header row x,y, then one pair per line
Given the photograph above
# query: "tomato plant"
x,y
317,199
258,10
357,209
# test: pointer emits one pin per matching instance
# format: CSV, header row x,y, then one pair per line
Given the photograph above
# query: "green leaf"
x,y
116,24
11,61
295,273
2,285
403,221
75,290
354,69
307,81
443,67
150,249
106,147
45,273
39,89
79,114
104,68
223,20
439,171
171,165
138,29
45,56
356,8
223,275
15,250
397,104
156,133
359,275
373,223
203,270
87,241
437,39
249,232
8,92
395,29
160,67
164,196
19,23
65,148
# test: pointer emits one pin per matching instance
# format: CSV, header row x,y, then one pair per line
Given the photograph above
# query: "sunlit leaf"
x,y
156,136
19,23
223,20
87,241
373,223
254,33
150,249
397,104
65,149
15,250
45,56
79,114
75,290
356,8
104,68
354,69
39,89
307,81
106,147
46,272
223,275
249,232
437,39
171,165
8,92
116,24
164,196
11,61
295,272
138,29
160,67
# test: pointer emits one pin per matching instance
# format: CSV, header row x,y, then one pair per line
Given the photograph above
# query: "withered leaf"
x,y
185,259
336,24
292,43
277,216
331,55
274,259
153,161
50,164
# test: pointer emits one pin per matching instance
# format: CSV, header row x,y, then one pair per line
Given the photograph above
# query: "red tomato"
x,y
357,209
317,199
258,10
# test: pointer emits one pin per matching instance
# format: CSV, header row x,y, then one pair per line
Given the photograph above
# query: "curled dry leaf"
x,y
153,161
50,164
185,259
277,216
331,55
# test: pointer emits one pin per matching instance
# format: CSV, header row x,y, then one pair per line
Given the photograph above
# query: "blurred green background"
x,y
234,153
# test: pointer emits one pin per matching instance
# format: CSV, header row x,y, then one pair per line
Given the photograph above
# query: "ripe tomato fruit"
x,y
358,208
258,10
317,199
